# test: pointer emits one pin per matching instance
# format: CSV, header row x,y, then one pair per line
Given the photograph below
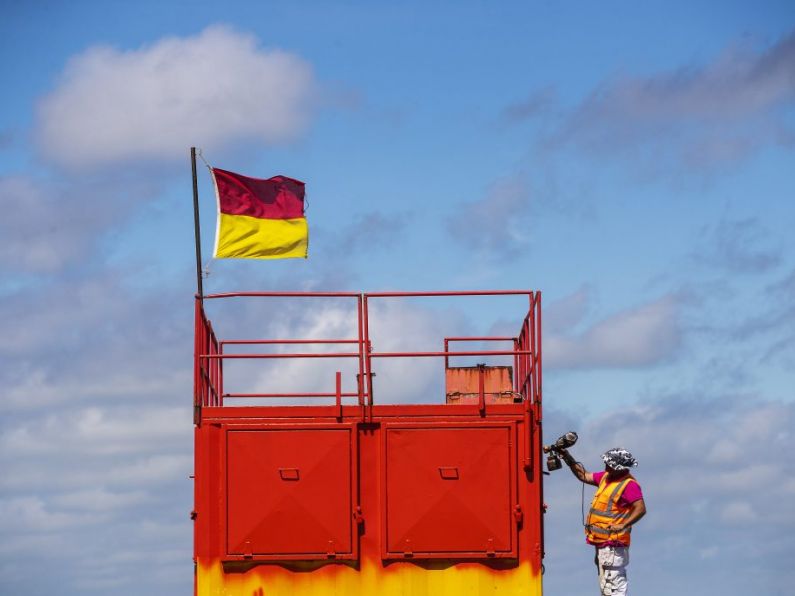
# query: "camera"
x,y
564,442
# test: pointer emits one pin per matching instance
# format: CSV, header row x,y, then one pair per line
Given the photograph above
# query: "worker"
x,y
616,507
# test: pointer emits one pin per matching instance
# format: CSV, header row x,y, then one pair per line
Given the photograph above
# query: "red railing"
x,y
207,370
210,353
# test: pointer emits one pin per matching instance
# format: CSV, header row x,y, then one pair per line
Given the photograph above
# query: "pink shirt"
x,y
631,494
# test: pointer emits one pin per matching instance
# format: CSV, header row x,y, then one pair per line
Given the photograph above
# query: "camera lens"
x,y
567,440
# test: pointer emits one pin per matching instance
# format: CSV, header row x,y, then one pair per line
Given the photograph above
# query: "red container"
x,y
355,497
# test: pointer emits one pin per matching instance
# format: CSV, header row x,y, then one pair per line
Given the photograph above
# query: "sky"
x,y
632,161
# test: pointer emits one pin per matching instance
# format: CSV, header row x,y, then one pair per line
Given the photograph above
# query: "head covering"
x,y
619,459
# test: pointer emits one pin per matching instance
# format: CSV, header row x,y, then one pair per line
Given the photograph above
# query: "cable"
x,y
582,504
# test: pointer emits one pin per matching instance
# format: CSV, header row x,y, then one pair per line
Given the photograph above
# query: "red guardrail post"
x,y
339,394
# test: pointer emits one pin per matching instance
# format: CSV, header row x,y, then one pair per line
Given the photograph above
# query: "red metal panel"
x,y
289,492
450,490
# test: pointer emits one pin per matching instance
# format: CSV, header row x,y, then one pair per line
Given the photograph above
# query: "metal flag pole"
x,y
196,225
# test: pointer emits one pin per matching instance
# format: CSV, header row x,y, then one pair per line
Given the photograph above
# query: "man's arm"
x,y
637,511
577,468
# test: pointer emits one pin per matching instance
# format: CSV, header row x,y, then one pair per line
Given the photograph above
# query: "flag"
x,y
259,219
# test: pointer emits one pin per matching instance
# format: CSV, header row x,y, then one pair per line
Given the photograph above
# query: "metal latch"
x,y
449,473
288,473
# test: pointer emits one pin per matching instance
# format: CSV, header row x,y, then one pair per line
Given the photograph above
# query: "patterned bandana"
x,y
619,459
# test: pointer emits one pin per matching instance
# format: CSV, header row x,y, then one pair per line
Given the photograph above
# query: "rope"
x,y
201,157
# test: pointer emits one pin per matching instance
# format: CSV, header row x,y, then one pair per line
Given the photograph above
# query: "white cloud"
x,y
97,431
81,340
49,225
152,103
39,233
79,485
154,471
100,499
776,323
563,315
695,117
641,336
536,104
32,515
738,512
369,232
401,326
394,326
737,246
496,223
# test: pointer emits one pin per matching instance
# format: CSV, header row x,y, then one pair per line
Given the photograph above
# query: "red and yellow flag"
x,y
259,219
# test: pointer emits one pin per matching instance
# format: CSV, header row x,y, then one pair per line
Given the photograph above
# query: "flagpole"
x,y
196,225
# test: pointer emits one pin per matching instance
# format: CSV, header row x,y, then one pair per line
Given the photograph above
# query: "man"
x,y
616,507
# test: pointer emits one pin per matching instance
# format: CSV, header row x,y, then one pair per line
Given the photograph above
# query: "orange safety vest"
x,y
605,511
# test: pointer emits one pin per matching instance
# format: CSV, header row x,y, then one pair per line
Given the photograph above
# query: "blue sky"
x,y
632,162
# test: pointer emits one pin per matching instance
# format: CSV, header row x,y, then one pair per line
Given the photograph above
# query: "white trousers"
x,y
612,561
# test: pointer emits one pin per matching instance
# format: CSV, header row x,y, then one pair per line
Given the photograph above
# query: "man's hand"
x,y
637,510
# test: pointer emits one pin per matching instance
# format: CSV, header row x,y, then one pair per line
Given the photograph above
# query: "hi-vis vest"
x,y
605,511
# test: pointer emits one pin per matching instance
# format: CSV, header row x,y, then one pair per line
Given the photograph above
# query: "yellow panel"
x,y
397,579
244,237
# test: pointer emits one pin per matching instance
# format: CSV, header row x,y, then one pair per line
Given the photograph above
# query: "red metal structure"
x,y
351,496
